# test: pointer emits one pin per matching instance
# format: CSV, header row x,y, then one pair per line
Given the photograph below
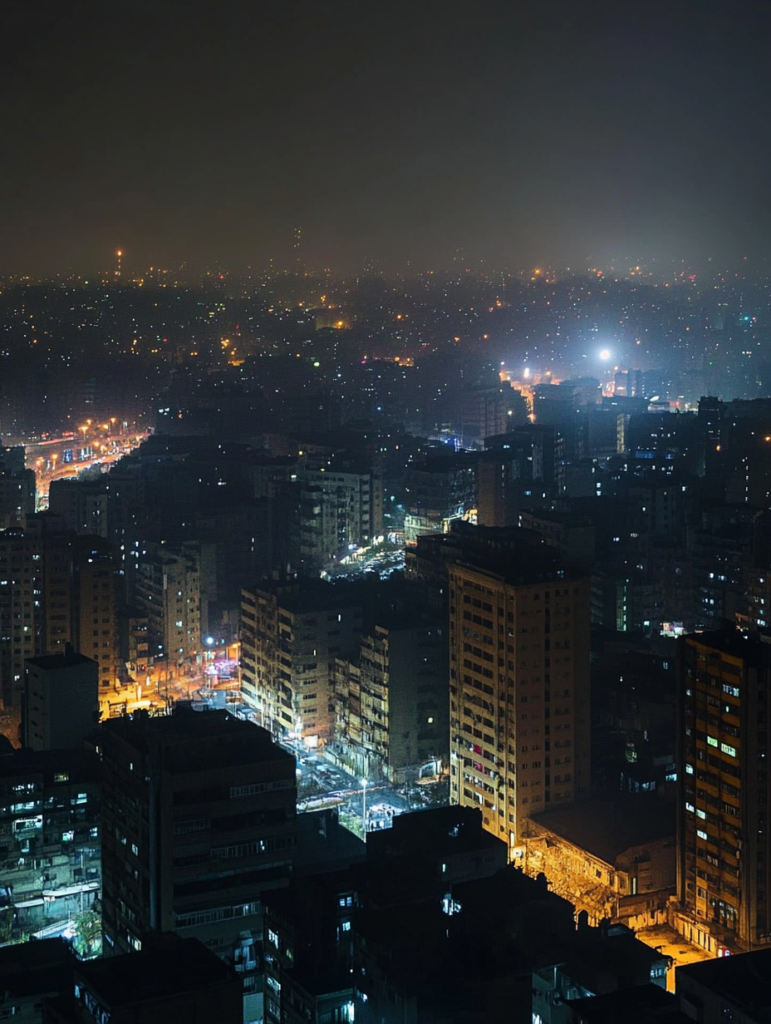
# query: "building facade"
x,y
336,515
519,691
50,839
169,594
437,492
199,819
291,632
392,708
61,701
723,847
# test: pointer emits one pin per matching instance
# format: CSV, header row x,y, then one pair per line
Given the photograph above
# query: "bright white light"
x,y
527,372
605,354
210,640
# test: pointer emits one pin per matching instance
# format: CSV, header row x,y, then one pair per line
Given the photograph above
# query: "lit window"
x,y
727,749
701,834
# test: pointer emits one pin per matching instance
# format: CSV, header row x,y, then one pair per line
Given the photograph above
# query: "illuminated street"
x,y
68,456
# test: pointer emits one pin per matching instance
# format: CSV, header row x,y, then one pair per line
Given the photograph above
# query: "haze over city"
x,y
397,133
385,513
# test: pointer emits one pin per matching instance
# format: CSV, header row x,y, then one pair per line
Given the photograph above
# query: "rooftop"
x,y
638,1005
76,764
32,968
606,827
733,643
441,831
154,973
51,662
742,980
306,595
236,740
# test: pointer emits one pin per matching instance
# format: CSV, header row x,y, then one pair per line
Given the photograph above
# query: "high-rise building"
x,y
84,505
55,589
392,708
483,412
724,856
20,573
519,686
95,606
438,491
169,594
523,468
291,632
17,488
199,820
61,700
336,515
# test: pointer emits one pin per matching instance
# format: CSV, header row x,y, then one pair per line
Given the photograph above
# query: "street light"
x,y
364,806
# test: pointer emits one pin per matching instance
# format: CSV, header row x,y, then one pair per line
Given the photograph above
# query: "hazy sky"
x,y
393,131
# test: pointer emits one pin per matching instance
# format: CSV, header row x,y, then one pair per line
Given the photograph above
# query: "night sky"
x,y
573,133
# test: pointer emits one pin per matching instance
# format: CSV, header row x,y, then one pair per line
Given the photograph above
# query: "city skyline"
x,y
385,512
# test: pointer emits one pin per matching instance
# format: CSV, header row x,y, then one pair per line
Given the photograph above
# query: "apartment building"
x,y
519,687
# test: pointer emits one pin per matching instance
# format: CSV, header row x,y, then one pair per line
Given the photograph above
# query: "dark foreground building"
x,y
199,821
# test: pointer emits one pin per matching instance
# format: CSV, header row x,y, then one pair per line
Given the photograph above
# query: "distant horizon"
x,y
394,133
652,269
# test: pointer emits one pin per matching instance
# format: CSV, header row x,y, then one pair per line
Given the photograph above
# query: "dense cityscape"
x,y
385,580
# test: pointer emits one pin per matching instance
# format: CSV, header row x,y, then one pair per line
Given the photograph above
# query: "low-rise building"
x,y
174,981
613,858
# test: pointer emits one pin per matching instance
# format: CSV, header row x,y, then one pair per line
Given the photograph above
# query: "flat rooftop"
x,y
742,980
76,763
638,1005
605,827
32,968
51,662
440,831
306,595
158,972
734,643
236,740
